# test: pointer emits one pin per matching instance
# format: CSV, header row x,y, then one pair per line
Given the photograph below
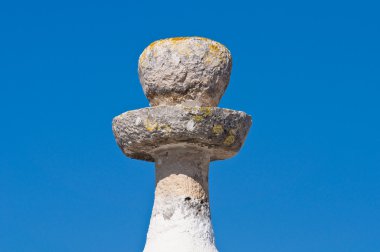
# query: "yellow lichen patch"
x,y
214,49
164,128
176,39
203,38
229,140
206,111
194,109
198,118
217,129
154,43
215,54
201,113
150,125
232,132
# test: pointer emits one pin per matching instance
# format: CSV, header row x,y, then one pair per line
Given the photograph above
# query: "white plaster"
x,y
184,231
181,220
190,125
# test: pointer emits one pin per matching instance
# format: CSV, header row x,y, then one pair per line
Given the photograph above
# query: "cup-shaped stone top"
x,y
191,71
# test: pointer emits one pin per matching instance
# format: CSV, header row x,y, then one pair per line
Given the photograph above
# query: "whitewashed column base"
x,y
181,220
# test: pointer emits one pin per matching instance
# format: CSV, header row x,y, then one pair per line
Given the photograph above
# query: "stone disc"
x,y
139,133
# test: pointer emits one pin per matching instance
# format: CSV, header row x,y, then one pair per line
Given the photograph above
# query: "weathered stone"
x,y
140,132
192,71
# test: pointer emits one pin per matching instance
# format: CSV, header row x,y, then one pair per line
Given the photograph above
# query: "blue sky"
x,y
307,178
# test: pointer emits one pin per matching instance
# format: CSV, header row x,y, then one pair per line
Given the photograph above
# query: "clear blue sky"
x,y
307,179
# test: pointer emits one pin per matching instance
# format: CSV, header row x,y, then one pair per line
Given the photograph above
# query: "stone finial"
x,y
184,79
191,71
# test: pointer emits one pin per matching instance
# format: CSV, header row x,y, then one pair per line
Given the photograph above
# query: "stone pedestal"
x,y
184,78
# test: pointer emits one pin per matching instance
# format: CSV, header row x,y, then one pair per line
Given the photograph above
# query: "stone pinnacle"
x,y
184,79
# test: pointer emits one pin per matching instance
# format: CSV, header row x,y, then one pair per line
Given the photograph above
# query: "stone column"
x,y
184,79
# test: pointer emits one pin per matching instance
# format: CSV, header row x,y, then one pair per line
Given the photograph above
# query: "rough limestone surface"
x,y
193,71
181,219
184,79
140,132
